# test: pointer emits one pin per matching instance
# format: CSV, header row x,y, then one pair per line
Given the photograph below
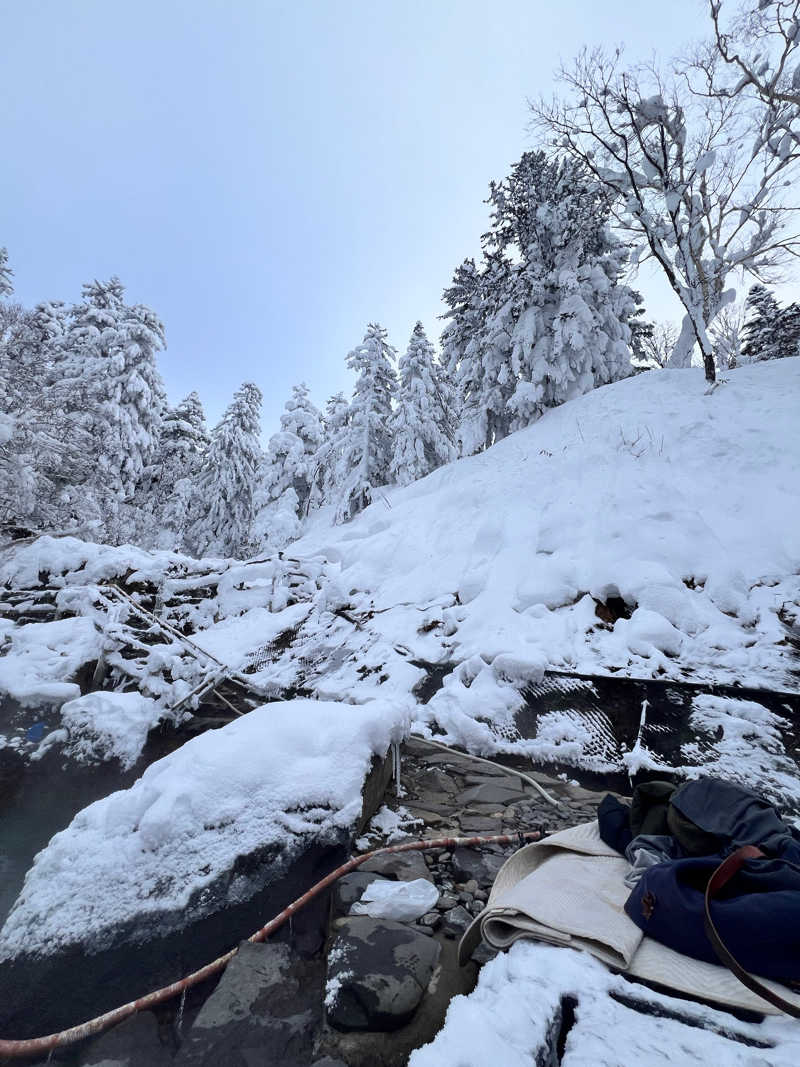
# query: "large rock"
x,y
134,1042
404,866
348,890
479,864
378,972
266,1009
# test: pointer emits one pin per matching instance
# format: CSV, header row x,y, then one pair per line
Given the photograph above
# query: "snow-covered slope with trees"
x,y
682,504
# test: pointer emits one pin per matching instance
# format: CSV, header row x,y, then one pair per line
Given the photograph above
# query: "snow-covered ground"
x,y
506,1021
683,505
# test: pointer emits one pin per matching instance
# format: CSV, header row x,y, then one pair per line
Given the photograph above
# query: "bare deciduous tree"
x,y
760,45
698,177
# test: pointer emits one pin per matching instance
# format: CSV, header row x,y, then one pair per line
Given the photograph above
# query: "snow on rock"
x,y
284,771
105,725
519,994
41,659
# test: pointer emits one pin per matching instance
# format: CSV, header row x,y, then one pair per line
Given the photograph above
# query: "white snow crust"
x,y
283,771
506,1020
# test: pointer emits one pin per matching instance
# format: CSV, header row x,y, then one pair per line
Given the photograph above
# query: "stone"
x,y
349,889
476,907
478,864
432,919
483,953
456,921
134,1041
267,1008
378,972
435,780
478,825
446,902
403,866
490,793
470,886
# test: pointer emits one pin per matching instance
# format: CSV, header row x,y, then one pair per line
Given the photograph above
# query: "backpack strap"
x,y
721,876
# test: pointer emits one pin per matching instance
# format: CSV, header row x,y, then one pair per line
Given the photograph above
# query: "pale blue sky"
x,y
269,176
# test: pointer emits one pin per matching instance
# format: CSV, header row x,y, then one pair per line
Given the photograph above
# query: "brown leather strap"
x,y
721,876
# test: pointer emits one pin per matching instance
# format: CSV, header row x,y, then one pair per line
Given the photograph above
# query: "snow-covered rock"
x,y
283,773
41,658
104,725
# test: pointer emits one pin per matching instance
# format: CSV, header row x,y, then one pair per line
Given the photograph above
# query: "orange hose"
x,y
37,1045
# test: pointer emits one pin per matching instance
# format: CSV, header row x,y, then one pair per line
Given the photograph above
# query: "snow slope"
x,y
685,505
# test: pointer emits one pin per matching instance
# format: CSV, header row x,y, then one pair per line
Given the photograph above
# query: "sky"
x,y
271,176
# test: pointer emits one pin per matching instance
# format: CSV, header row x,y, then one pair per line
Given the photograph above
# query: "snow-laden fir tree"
x,y
365,462
6,287
227,485
336,421
109,358
169,493
422,424
45,457
771,331
545,318
290,474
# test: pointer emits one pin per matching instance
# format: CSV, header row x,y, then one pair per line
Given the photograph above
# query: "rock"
x,y
446,902
476,907
470,886
404,866
476,825
456,921
435,780
478,864
377,974
133,1042
432,919
490,793
348,890
266,1009
483,953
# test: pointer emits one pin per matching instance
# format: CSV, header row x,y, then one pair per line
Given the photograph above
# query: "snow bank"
x,y
684,506
104,725
41,658
507,1018
285,770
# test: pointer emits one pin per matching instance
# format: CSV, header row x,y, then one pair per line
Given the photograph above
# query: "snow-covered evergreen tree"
x,y
168,492
770,332
545,318
422,424
366,458
109,359
45,458
336,421
6,288
227,485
